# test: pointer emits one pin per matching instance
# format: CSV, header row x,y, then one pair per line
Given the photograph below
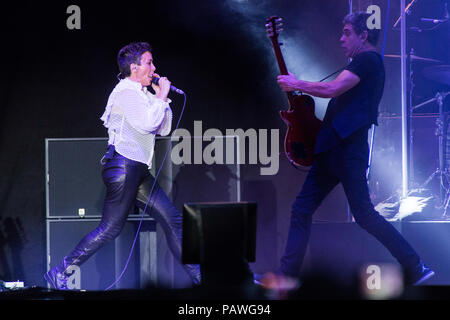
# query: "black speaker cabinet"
x,y
106,266
74,186
74,200
75,193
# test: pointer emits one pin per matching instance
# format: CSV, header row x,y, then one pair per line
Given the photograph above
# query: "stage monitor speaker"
x,y
221,237
217,230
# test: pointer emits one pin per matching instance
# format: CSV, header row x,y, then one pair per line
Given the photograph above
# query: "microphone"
x,y
155,80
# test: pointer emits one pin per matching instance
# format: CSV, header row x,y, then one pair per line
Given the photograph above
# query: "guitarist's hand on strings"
x,y
288,83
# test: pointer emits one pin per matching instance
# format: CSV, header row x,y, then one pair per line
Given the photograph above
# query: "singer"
x,y
133,116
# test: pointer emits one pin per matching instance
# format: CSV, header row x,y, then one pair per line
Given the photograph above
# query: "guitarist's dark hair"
x,y
358,20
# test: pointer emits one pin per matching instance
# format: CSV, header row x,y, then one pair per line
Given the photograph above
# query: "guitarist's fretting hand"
x,y
331,89
287,83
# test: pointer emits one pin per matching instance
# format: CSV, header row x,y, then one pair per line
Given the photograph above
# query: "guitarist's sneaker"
x,y
257,278
276,281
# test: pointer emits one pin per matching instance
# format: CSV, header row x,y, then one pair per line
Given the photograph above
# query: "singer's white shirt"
x,y
133,117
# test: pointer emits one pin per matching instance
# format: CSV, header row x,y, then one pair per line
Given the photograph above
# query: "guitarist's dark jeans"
x,y
129,183
344,164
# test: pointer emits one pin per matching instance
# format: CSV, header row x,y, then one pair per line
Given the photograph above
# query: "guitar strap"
x,y
333,73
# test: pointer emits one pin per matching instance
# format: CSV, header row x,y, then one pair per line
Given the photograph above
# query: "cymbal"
x,y
438,73
413,57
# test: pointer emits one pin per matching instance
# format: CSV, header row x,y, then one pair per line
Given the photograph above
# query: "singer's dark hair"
x,y
129,54
358,20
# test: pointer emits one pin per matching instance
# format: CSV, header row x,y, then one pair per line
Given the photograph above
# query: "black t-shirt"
x,y
349,115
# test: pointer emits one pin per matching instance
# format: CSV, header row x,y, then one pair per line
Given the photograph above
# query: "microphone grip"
x,y
155,80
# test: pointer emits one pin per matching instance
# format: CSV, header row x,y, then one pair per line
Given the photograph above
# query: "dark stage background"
x,y
56,82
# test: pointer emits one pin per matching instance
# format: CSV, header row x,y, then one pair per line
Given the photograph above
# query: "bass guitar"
x,y
302,124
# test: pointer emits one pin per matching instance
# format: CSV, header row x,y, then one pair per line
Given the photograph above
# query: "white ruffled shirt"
x,y
133,117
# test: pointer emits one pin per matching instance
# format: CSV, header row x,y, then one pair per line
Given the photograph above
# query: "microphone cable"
x,y
148,200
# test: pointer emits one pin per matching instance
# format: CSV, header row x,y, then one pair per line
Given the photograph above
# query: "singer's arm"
x,y
146,115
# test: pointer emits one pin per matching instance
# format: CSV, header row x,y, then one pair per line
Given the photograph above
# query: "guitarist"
x,y
341,151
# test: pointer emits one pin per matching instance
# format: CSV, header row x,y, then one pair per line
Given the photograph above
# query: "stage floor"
x,y
343,248
338,254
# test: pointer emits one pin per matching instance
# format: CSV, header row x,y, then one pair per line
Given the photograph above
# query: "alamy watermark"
x,y
373,281
382,281
221,149
374,21
74,20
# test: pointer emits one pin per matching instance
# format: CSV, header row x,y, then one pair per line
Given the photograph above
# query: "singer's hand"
x,y
154,86
163,87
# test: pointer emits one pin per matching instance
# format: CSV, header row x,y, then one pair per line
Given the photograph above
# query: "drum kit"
x,y
438,72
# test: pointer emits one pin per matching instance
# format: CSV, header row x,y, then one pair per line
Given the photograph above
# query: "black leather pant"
x,y
344,164
129,183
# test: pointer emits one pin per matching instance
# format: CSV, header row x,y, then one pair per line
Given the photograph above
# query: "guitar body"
x,y
302,129
302,124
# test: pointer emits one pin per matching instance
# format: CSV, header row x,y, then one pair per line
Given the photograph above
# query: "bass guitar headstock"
x,y
274,27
